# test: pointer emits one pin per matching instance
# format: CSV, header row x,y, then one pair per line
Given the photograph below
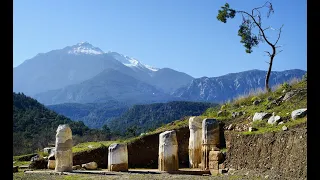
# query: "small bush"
x,y
42,154
254,98
286,86
225,106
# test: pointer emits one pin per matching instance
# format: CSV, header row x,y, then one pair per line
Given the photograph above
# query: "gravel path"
x,y
239,174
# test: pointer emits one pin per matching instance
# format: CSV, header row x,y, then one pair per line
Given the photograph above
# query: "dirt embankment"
x,y
98,155
284,153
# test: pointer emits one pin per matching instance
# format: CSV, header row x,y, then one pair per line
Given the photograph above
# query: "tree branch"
x,y
279,34
268,53
260,7
278,52
267,28
254,20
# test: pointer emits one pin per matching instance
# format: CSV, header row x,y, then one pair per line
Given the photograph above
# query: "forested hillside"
x,y
93,115
142,118
34,126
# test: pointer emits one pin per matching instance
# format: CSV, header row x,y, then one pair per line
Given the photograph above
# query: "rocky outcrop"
x,y
288,96
168,151
63,153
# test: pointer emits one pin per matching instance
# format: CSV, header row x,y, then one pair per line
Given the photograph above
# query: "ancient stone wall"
x,y
142,153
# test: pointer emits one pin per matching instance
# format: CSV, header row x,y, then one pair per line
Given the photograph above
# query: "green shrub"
x,y
286,86
254,98
225,106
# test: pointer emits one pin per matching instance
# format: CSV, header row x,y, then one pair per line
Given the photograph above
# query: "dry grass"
x,y
243,98
294,81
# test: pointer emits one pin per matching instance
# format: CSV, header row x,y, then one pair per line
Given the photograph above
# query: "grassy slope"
x,y
284,110
243,103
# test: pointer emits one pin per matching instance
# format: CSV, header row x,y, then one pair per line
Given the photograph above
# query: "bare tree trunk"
x,y
270,67
268,74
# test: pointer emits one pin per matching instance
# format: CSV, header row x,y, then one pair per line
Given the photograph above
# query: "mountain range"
x,y
82,78
74,64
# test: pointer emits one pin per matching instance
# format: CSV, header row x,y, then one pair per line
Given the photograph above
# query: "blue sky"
x,y
180,34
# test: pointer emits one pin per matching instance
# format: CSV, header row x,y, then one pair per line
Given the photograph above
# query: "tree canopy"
x,y
249,39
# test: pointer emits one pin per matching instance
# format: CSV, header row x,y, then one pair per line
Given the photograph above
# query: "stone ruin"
x,y
118,157
195,126
210,141
51,162
63,152
168,151
204,152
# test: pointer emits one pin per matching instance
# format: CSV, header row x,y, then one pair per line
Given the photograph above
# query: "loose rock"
x,y
252,129
260,116
274,119
90,166
284,128
299,113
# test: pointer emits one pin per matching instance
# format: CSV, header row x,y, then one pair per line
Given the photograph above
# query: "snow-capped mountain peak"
x,y
84,48
87,48
151,68
131,62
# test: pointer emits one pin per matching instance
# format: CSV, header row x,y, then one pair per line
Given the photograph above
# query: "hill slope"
x,y
141,118
93,115
34,126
